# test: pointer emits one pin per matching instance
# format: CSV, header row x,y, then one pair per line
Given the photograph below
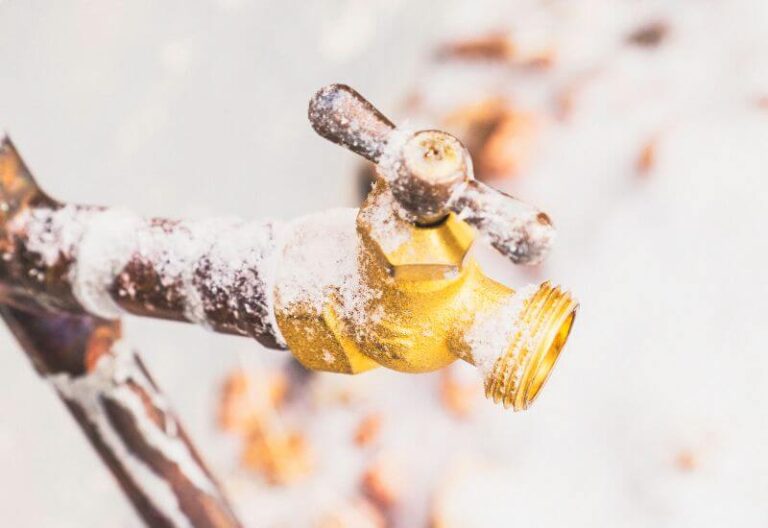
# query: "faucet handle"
x,y
342,116
519,231
430,174
423,169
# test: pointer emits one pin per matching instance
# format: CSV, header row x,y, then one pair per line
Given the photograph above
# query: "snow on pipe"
x,y
106,261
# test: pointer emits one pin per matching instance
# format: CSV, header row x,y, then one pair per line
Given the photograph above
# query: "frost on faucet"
x,y
345,290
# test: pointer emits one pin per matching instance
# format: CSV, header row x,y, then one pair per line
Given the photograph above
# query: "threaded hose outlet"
x,y
517,345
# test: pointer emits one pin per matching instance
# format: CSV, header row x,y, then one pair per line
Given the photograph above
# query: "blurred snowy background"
x,y
646,139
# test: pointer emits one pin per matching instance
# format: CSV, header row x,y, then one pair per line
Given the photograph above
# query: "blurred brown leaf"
x,y
382,483
500,137
650,34
368,429
359,513
458,396
282,457
245,402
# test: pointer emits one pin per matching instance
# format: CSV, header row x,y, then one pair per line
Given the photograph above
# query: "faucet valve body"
x,y
420,303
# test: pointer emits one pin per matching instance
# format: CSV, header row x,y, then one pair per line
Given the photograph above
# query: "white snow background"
x,y
198,108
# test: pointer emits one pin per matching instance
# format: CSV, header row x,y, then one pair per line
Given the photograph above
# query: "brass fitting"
x,y
433,306
420,302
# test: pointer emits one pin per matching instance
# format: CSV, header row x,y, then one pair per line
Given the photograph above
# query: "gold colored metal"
x,y
322,341
424,304
431,297
543,327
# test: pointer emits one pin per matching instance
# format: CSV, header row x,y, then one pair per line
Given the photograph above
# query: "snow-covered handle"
x,y
430,174
516,229
341,115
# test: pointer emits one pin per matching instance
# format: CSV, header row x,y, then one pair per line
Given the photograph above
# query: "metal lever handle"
x,y
342,116
519,231
430,174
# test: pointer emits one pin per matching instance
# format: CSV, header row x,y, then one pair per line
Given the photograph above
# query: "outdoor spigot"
x,y
345,290
420,303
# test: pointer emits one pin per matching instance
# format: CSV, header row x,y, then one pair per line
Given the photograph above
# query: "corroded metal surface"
x,y
103,384
125,417
84,259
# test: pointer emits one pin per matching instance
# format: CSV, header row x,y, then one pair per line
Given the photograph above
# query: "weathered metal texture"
x,y
173,270
103,384
430,174
125,417
343,116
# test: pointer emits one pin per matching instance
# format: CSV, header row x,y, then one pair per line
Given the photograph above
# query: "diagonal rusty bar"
x,y
126,418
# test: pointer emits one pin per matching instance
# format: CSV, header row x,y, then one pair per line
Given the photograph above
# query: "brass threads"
x,y
544,368
503,381
543,327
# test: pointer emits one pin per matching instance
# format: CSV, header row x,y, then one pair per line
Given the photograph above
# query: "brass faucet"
x,y
432,304
405,296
